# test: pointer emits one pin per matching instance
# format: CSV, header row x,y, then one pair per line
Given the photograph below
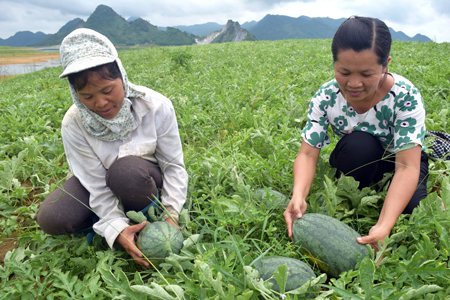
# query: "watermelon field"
x,y
240,108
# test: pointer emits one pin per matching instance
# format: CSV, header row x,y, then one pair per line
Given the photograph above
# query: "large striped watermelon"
x,y
298,272
329,243
152,240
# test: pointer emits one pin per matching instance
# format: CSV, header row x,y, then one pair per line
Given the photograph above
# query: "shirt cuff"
x,y
112,231
172,212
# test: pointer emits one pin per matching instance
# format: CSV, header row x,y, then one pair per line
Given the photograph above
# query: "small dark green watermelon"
x,y
152,240
272,198
328,243
298,272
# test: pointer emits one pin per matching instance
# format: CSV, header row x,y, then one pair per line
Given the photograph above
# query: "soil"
x,y
10,60
7,244
12,242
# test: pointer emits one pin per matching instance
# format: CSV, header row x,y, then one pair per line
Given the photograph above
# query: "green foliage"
x,y
240,110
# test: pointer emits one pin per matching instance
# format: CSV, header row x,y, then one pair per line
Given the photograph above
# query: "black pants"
x,y
132,179
360,155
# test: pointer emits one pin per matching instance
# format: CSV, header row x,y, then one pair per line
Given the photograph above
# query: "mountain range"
x,y
136,30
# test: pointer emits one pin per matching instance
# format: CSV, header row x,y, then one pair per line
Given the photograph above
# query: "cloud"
x,y
442,7
82,7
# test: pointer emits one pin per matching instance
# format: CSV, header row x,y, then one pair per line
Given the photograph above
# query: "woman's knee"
x,y
131,169
134,180
64,211
360,144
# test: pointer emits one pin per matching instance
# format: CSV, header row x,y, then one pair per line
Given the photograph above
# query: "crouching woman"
x,y
122,145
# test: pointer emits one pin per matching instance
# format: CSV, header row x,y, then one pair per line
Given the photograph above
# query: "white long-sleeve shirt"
x,y
155,137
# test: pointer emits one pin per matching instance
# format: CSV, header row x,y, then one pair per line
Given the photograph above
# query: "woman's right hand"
x,y
294,211
126,239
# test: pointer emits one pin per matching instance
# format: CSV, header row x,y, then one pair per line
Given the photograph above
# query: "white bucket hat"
x,y
84,49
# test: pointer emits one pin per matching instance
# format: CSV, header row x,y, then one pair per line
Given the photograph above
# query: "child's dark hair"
x,y
109,71
362,33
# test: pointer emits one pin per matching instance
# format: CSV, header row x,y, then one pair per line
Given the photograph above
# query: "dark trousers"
x,y
132,179
361,156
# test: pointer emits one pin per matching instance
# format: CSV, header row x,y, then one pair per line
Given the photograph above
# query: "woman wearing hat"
x,y
122,145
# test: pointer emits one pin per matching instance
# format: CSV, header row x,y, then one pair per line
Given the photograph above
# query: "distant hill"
x,y
56,38
200,30
249,25
421,38
120,31
276,27
23,38
231,32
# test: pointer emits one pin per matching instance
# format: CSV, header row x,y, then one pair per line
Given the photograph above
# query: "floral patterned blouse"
x,y
398,120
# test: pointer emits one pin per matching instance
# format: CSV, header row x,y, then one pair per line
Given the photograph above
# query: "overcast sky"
x,y
428,17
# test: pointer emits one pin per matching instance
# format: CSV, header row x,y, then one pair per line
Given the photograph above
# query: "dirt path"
x,y
7,244
10,60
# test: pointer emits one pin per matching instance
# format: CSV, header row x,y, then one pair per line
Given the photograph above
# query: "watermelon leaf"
x,y
313,282
253,281
245,295
157,291
330,195
179,263
67,283
216,284
137,217
443,237
445,196
366,273
281,277
94,287
342,292
420,292
138,278
118,282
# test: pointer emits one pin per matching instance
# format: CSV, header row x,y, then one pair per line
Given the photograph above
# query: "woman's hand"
x,y
126,239
294,211
376,233
169,220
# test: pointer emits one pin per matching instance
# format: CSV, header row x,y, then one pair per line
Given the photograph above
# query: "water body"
x,y
17,69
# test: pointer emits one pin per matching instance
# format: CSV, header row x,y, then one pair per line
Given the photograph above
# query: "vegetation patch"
x,y
240,108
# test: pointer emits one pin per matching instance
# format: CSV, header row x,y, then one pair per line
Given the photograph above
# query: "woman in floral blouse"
x,y
379,118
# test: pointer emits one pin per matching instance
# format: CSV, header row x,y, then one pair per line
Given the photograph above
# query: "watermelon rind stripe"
x,y
328,243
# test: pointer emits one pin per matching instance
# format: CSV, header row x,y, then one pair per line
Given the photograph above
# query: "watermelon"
x,y
328,243
298,272
153,238
272,198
